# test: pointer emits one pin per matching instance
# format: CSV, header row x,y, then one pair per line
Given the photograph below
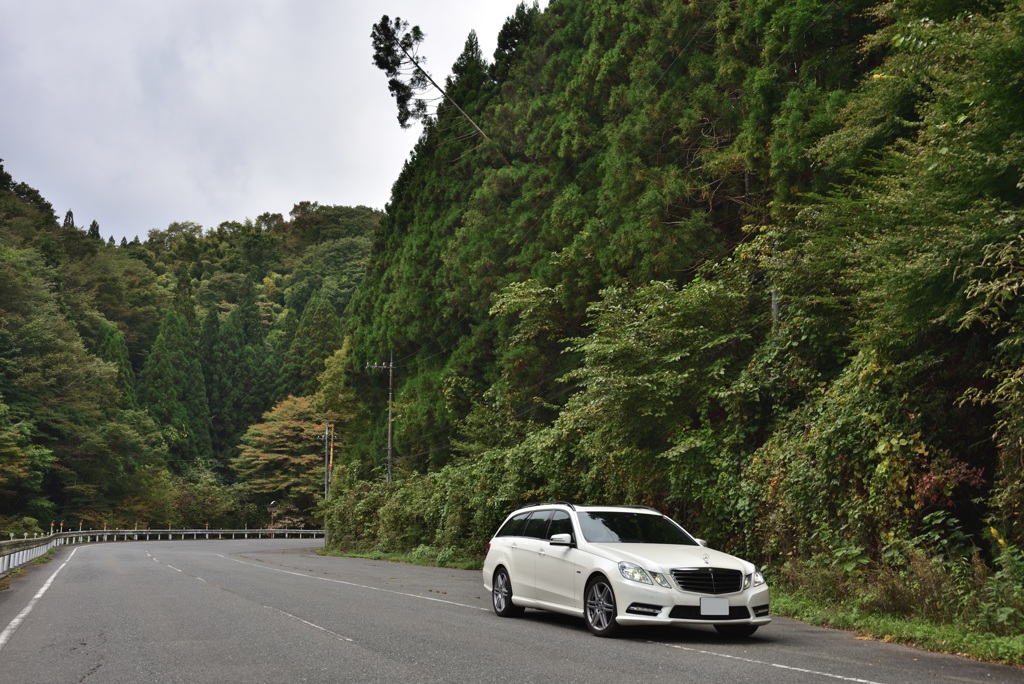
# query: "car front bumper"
x,y
646,605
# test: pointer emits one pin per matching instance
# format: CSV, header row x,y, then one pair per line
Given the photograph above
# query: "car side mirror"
x,y
563,539
701,542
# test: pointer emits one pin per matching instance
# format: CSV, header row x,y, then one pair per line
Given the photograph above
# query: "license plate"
x,y
714,607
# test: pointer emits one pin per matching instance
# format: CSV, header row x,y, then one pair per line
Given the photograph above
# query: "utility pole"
x,y
328,439
390,368
330,463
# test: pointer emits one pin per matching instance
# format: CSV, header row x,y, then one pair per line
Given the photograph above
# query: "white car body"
x,y
582,567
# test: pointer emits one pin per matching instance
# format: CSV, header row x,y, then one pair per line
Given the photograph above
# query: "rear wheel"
x,y
501,595
736,630
599,608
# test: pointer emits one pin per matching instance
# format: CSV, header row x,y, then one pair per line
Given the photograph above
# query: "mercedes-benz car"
x,y
616,566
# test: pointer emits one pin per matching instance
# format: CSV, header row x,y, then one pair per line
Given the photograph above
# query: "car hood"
x,y
664,557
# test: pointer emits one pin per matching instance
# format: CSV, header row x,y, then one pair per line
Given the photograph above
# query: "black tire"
x,y
599,608
501,595
736,630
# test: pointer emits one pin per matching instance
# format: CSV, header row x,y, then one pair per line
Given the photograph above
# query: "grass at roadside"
x,y
421,555
920,633
45,558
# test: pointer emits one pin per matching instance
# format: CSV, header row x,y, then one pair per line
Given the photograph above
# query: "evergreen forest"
x,y
754,263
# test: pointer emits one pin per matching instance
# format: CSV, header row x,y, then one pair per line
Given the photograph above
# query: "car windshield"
x,y
627,527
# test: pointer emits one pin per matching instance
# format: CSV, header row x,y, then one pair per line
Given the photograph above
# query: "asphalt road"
x,y
273,611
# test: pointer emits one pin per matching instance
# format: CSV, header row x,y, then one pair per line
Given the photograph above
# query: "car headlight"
x,y
634,573
661,580
755,579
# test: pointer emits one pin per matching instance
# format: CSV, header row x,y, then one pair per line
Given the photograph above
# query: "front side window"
x,y
560,524
627,527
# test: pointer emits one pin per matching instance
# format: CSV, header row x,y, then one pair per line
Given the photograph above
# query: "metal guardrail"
x,y
17,552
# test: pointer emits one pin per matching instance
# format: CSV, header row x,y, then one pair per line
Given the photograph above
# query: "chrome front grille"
x,y
708,580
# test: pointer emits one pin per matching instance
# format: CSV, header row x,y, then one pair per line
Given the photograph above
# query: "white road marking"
x,y
762,662
360,586
9,631
278,610
310,624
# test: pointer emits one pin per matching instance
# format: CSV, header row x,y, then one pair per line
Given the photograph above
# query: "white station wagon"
x,y
619,565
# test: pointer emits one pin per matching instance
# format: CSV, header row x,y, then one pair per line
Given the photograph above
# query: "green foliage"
x,y
15,463
154,501
235,369
60,417
172,389
203,499
316,338
333,268
111,347
20,526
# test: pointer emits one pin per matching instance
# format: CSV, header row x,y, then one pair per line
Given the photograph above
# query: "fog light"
x,y
644,609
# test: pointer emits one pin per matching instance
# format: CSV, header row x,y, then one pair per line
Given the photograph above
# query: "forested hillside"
x,y
138,381
754,263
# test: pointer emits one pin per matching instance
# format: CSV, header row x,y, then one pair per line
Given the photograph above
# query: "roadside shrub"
x,y
1001,609
939,576
401,522
926,586
351,516
446,555
19,526
423,554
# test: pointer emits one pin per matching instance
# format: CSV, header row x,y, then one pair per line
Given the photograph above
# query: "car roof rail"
x,y
641,507
550,503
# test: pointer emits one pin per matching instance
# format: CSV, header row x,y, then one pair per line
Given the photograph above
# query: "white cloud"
x,y
137,114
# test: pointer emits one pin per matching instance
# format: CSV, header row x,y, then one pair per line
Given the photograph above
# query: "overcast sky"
x,y
139,113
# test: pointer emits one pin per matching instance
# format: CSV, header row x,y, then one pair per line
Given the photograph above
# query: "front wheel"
x,y
599,608
736,630
501,595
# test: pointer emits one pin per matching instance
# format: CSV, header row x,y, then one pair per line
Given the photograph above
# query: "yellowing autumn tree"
x,y
282,459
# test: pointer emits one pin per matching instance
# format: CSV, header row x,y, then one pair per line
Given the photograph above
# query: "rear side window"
x,y
513,527
537,525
